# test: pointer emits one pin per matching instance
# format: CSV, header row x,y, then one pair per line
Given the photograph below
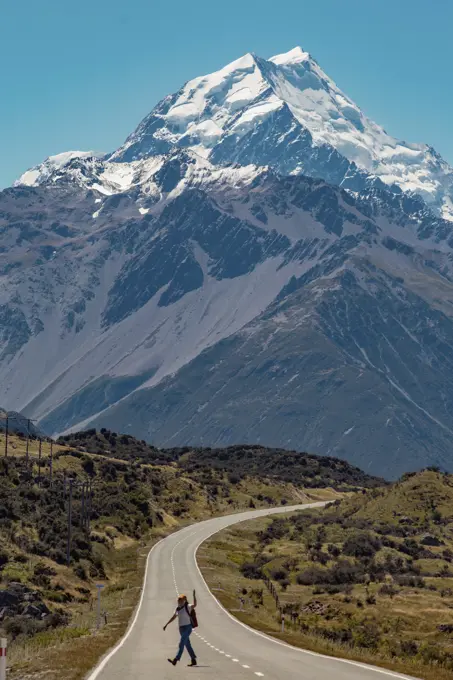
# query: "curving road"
x,y
226,648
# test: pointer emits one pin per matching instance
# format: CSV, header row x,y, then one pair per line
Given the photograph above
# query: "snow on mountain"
x,y
143,292
87,171
50,167
258,262
219,116
111,305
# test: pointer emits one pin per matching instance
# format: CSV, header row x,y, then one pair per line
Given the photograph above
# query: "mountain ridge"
x,y
215,114
221,293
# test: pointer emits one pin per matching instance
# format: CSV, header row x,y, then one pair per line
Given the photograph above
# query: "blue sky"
x,y
81,75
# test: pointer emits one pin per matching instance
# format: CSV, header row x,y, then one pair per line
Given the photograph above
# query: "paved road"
x,y
226,649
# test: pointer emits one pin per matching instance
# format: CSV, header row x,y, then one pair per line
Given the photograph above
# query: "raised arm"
x,y
170,621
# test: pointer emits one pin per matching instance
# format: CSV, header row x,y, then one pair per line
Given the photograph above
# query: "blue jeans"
x,y
185,632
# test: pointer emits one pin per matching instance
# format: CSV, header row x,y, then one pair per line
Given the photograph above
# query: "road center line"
x,y
350,662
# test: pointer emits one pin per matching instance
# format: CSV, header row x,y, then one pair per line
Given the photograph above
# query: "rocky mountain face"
x,y
258,263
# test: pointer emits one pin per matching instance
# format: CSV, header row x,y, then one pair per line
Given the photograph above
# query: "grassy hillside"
x,y
369,577
138,495
241,461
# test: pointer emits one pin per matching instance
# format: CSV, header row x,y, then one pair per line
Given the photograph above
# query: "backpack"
x,y
193,616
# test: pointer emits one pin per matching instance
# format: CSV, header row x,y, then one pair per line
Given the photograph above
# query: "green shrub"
x,y
346,572
80,572
279,573
333,550
252,570
366,635
312,576
3,557
361,545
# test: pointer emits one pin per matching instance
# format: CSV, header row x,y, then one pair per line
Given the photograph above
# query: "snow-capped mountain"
x,y
258,262
287,113
284,112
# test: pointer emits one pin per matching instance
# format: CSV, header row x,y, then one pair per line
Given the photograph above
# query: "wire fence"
x,y
23,428
36,452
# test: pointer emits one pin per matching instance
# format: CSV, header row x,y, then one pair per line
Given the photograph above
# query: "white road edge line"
x,y
367,667
100,667
102,664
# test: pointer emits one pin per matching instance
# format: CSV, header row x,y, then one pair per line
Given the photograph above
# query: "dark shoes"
x,y
175,661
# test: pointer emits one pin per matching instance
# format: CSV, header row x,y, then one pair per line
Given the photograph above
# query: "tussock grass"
x,y
392,620
175,498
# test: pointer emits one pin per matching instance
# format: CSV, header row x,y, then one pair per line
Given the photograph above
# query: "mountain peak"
x,y
284,112
294,56
247,60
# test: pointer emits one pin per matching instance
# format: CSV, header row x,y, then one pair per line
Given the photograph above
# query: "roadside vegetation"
x,y
139,494
370,577
251,461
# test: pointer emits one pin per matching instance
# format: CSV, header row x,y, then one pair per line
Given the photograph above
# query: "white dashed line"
x,y
220,651
260,675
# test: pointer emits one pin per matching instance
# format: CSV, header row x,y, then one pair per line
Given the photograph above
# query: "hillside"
x,y
137,495
422,500
369,577
294,467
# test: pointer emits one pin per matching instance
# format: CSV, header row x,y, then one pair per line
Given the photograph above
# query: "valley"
x,y
226,341
139,494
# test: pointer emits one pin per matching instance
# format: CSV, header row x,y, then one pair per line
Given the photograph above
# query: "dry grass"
x,y
64,652
412,614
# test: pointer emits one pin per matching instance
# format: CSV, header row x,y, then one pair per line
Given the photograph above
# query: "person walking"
x,y
185,613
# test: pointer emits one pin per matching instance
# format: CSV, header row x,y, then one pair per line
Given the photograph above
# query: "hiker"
x,y
187,620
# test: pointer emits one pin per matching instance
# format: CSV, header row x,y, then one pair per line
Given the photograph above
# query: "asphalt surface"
x,y
226,649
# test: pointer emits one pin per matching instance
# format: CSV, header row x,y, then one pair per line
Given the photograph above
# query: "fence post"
x,y
39,461
88,509
3,643
68,546
98,616
6,435
51,464
283,623
27,450
83,508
